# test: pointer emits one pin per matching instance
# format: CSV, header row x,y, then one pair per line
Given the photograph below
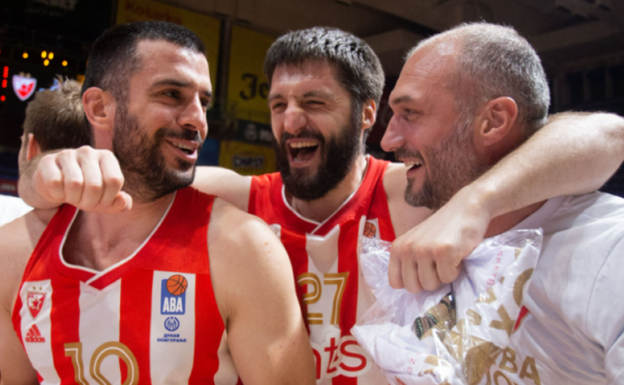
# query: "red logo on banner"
x,y
35,302
24,87
524,312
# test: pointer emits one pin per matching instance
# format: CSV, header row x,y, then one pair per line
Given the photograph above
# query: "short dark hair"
x,y
56,119
359,69
113,56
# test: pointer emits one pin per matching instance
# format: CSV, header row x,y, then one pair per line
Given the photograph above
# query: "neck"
x,y
100,240
320,209
505,222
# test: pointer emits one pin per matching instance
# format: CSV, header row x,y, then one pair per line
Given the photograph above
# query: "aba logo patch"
x,y
35,302
370,230
172,324
173,295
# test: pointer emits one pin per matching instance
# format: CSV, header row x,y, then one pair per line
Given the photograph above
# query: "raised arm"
x,y
87,178
255,292
92,180
226,184
574,153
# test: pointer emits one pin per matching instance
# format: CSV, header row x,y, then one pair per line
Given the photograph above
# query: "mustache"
x,y
304,133
189,135
405,153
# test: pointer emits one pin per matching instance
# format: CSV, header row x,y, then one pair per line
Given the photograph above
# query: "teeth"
x,y
302,144
412,163
184,146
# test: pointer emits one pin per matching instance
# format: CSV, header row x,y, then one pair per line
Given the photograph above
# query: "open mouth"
x,y
186,148
413,164
302,151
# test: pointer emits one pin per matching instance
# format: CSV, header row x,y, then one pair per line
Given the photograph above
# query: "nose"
x,y
393,138
193,117
294,118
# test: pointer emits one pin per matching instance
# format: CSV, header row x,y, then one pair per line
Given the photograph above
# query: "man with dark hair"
x,y
482,88
115,60
359,72
325,86
152,294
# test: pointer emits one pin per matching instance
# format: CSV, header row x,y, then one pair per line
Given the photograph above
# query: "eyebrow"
x,y
315,93
273,97
402,99
178,83
319,94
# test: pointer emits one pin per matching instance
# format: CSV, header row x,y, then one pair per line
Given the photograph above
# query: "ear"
x,y
33,149
369,114
496,120
99,107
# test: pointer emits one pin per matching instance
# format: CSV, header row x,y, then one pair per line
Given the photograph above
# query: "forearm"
x,y
225,184
574,153
26,185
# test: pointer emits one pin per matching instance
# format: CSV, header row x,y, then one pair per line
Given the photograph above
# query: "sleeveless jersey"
x,y
152,318
324,258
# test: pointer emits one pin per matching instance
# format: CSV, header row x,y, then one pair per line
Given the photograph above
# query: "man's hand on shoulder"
x,y
224,183
255,291
431,253
87,178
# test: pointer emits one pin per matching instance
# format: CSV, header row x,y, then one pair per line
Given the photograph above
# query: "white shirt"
x,y
574,330
11,208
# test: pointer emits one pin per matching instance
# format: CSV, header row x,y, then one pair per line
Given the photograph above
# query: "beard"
x,y
146,173
451,165
337,153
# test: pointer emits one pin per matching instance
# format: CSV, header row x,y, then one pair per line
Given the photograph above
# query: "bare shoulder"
x,y
244,252
254,287
18,240
224,183
395,181
404,217
236,229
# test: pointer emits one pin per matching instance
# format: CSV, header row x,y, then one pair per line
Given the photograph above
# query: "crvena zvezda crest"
x,y
35,302
24,87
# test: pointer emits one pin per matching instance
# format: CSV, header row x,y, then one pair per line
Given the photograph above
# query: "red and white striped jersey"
x,y
324,257
150,319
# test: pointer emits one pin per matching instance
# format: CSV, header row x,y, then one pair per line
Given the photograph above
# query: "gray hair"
x,y
496,61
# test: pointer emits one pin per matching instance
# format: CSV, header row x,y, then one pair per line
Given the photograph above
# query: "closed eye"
x,y
277,106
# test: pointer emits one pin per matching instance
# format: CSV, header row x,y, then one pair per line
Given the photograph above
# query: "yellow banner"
x,y
206,27
245,158
247,87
